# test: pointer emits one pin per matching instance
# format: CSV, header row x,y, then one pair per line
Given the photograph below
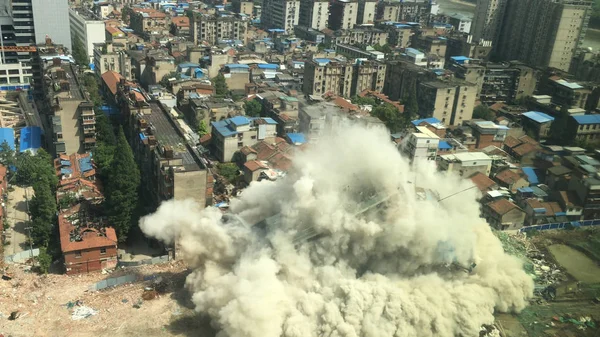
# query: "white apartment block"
x,y
421,145
281,14
89,30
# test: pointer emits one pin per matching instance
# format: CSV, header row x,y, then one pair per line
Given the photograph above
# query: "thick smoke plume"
x,y
347,244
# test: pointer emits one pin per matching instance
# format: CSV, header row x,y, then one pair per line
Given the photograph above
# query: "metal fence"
x,y
561,225
22,256
154,260
112,282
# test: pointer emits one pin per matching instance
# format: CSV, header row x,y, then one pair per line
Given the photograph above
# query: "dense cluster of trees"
x,y
595,18
221,89
393,119
252,108
483,112
79,51
90,82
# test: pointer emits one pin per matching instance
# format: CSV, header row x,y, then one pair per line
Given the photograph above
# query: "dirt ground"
x,y
42,305
17,218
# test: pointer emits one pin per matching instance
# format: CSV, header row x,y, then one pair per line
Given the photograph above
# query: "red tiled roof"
x,y
112,78
551,207
511,142
75,168
497,106
181,21
508,177
90,237
483,182
113,30
527,139
502,206
255,165
525,148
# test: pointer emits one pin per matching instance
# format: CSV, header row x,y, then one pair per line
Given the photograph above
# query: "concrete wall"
x,y
191,185
51,17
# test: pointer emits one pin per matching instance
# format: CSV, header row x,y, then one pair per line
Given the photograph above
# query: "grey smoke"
x,y
294,258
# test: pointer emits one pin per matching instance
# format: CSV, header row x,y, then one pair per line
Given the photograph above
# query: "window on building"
x,y
102,250
78,255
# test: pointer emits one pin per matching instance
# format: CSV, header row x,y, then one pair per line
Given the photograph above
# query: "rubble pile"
x,y
546,273
489,331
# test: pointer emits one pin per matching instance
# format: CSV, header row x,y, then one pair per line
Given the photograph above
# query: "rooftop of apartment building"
x,y
82,227
75,166
228,127
150,13
86,14
448,82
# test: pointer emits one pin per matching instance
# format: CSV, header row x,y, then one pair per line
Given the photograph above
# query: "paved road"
x,y
16,209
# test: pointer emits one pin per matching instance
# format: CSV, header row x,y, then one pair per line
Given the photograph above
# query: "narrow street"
x,y
16,209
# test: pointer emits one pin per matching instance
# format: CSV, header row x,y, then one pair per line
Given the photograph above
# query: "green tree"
x,y
364,100
104,130
90,82
43,214
79,51
105,146
253,108
122,188
202,128
126,14
229,171
32,169
483,112
393,119
44,260
382,48
220,85
7,155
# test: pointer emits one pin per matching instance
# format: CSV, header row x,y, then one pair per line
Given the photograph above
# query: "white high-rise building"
x,y
87,28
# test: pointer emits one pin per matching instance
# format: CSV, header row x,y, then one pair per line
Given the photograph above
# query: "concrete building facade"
x,y
367,10
280,14
231,135
343,14
451,101
85,27
466,164
212,28
314,14
488,19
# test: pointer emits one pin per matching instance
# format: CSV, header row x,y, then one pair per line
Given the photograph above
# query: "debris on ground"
x,y
489,331
7,277
149,295
14,315
82,312
138,304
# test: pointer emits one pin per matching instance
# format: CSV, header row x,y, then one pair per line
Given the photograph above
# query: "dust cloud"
x,y
352,242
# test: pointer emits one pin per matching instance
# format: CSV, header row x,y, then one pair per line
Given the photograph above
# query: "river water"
x,y
592,37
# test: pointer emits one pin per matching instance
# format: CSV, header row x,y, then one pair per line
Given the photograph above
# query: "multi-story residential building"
x,y
403,11
366,36
87,29
309,34
343,14
461,23
432,45
422,144
280,14
425,60
355,52
572,95
146,21
322,75
588,191
466,163
489,15
584,127
367,9
542,33
399,34
243,7
112,56
451,101
403,77
314,14
503,215
537,124
488,133
463,45
35,20
231,135
180,26
367,75
73,125
212,29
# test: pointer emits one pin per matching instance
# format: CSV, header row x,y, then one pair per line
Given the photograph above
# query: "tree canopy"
x,y
411,107
483,112
364,100
253,108
43,214
31,169
220,85
229,171
79,51
393,119
122,187
203,128
7,155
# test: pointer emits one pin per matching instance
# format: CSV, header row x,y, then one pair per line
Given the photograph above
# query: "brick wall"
x,y
86,261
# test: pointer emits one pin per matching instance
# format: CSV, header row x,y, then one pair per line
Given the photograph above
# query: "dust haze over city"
x,y
300,168
306,256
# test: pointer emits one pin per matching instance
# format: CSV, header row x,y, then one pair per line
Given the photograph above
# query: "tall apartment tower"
x,y
487,20
314,14
542,33
366,11
34,20
280,14
343,14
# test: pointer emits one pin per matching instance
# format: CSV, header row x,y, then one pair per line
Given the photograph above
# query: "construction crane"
x,y
24,49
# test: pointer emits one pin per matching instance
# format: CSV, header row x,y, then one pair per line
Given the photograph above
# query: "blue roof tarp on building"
x,y
587,119
65,162
85,164
237,66
31,138
268,66
538,117
525,190
8,135
224,128
532,176
269,120
296,138
239,120
430,120
443,145
66,171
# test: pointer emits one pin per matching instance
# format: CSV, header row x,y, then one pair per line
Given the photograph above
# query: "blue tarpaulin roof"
x,y
538,117
7,135
525,190
460,58
65,162
240,120
237,66
269,120
587,119
142,136
431,120
31,138
85,164
224,128
531,175
443,145
268,66
66,171
296,138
